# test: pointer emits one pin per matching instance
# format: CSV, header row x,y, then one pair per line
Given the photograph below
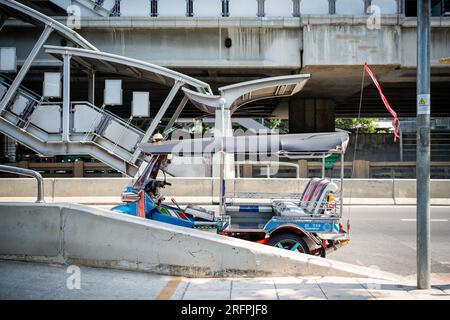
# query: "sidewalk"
x,y
305,288
24,280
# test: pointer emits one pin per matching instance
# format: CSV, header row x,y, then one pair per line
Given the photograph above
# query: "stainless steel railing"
x,y
29,173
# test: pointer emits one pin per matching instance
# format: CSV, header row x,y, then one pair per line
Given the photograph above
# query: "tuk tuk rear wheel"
x,y
289,241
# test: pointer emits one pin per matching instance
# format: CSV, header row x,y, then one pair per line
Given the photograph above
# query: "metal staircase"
x,y
37,124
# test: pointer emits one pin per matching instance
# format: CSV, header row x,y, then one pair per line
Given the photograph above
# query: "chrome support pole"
x,y
66,99
323,167
148,134
423,144
176,114
341,193
29,173
222,162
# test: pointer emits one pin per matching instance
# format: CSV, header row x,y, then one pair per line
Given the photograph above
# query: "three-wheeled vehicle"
x,y
310,222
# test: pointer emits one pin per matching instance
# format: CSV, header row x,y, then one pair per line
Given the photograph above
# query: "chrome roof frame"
x,y
130,62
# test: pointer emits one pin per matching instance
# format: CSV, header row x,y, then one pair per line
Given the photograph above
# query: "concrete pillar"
x,y
227,131
247,170
367,4
332,6
361,169
311,115
261,11
303,168
78,169
401,6
296,8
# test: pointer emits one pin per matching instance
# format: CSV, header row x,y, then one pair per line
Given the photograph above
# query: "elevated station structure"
x,y
54,124
231,41
225,42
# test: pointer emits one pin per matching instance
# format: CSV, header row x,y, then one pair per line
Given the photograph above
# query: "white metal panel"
x,y
118,133
350,7
19,104
279,8
140,105
136,8
243,8
315,7
85,118
207,8
113,92
8,59
47,117
386,6
109,4
172,8
52,85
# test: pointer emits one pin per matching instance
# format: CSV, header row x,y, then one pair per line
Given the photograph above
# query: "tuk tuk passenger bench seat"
x,y
310,202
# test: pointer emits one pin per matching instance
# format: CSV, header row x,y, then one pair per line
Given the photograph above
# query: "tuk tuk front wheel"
x,y
289,241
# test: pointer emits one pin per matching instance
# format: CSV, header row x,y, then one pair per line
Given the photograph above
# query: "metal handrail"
x,y
116,117
29,173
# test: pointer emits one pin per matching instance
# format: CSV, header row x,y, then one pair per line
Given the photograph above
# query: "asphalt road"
x,y
385,237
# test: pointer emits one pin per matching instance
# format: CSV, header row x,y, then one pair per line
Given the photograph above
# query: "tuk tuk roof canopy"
x,y
283,145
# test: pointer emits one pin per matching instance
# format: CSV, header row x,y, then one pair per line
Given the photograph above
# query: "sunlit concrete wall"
x,y
207,8
237,8
136,8
386,6
352,44
278,8
350,7
277,47
315,7
172,8
243,8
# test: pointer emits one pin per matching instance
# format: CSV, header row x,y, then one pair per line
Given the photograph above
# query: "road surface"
x,y
385,237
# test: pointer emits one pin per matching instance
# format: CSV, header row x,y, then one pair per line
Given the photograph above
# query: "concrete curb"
x,y
77,234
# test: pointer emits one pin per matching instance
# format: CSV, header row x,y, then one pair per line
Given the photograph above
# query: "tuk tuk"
x,y
310,222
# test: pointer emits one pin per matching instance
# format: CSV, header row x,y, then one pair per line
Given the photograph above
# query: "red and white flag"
x,y
395,122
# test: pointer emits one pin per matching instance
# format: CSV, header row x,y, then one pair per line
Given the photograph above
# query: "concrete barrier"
x,y
206,190
77,234
405,192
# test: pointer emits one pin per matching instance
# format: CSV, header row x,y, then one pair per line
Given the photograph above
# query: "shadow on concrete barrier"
x,y
81,235
205,190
